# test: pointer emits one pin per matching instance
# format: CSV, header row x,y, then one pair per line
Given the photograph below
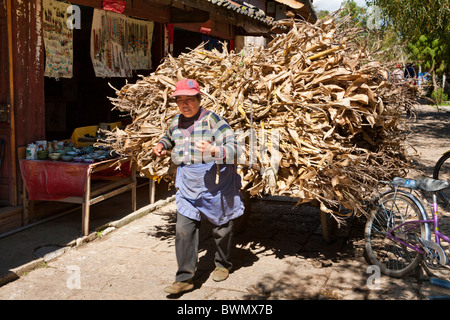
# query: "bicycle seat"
x,y
429,184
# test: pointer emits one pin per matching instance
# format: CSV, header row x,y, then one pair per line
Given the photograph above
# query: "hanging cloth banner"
x,y
114,5
58,40
120,44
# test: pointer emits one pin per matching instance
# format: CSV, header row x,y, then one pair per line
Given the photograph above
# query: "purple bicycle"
x,y
398,232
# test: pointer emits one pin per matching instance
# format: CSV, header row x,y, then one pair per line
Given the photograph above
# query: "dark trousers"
x,y
186,246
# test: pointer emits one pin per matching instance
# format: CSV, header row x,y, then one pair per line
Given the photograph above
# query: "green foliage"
x,y
322,13
376,34
357,13
412,19
439,96
430,53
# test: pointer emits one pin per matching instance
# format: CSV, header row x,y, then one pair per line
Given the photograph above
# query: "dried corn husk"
x,y
338,117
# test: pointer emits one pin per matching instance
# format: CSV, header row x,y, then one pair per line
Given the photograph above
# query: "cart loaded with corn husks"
x,y
317,106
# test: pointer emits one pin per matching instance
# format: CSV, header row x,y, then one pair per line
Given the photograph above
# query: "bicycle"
x,y
398,232
442,172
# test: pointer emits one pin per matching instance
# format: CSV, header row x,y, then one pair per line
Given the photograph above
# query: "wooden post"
x,y
12,105
329,227
151,189
133,190
86,204
26,204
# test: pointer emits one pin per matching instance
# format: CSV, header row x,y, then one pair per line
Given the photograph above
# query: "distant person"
x,y
409,73
397,74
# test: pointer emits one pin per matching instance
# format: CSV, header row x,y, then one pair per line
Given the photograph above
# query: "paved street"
x,y
281,255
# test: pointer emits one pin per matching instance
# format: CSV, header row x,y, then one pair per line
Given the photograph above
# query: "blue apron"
x,y
199,194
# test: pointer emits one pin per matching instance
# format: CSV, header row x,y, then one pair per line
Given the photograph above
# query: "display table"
x,y
71,182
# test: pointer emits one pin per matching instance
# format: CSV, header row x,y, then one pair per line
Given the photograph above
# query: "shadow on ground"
x,y
282,232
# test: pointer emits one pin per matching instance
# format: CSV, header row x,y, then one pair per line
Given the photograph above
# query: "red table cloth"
x,y
54,180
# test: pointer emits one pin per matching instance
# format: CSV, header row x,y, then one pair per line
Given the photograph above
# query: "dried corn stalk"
x,y
337,115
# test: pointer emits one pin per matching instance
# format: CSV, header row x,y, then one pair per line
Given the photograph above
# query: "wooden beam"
x,y
226,15
194,16
155,10
89,3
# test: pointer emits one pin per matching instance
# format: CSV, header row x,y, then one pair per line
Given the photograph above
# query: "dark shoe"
x,y
179,287
220,274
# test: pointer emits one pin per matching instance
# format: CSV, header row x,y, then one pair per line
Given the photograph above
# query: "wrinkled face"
x,y
188,105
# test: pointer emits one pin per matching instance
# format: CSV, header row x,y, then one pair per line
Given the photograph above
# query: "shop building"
x,y
58,61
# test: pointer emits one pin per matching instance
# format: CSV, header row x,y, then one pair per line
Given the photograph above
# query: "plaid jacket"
x,y
209,127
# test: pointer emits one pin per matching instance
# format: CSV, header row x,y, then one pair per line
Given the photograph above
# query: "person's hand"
x,y
159,150
206,147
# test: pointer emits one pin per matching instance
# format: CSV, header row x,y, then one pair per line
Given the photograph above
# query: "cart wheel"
x,y
329,227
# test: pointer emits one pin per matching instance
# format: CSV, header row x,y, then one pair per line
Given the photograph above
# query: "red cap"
x,y
186,87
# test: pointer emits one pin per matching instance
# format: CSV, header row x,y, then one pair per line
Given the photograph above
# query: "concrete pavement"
x,y
281,255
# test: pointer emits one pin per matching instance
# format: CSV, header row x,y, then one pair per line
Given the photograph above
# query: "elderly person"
x,y
204,147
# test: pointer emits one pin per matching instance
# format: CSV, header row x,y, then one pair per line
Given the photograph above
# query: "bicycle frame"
x,y
415,223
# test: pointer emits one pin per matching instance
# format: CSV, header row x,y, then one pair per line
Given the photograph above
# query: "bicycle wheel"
x,y
442,172
393,258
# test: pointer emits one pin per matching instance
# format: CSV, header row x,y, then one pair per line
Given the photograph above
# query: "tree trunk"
x,y
433,76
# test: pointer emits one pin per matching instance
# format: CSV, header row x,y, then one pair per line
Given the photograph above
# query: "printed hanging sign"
x,y
120,44
58,40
